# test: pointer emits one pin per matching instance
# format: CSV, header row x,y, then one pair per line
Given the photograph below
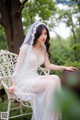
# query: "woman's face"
x,y
43,36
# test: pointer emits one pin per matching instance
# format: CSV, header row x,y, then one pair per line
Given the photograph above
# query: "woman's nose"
x,y
44,36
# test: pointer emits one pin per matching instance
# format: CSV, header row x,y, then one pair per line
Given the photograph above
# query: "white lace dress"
x,y
42,87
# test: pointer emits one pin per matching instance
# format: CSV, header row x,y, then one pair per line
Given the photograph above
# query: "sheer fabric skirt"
x,y
42,90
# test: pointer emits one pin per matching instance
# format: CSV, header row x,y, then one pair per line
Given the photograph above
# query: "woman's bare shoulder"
x,y
24,47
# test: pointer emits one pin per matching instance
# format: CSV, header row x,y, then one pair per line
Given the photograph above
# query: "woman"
x,y
33,53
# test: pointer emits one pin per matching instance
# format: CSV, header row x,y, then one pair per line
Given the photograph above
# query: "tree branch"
x,y
21,8
24,2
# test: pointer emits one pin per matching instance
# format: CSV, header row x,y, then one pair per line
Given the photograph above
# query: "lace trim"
x,y
34,31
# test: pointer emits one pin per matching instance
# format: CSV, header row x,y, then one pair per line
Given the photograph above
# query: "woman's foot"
x,y
17,103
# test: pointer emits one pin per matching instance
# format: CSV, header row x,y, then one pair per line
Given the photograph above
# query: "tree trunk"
x,y
12,22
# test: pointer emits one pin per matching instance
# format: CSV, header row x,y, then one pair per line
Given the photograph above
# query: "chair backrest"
x,y
7,63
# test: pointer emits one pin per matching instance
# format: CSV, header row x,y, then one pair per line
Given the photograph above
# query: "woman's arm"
x,y
50,66
20,60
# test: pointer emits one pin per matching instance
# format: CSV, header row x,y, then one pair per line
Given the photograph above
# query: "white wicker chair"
x,y
7,65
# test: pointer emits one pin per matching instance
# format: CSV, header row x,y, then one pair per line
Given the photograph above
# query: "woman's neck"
x,y
37,45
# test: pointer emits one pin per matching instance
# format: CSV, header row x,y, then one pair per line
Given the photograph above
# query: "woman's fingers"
x,y
74,68
10,90
71,68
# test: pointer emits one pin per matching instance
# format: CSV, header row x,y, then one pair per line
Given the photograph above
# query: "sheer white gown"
x,y
42,87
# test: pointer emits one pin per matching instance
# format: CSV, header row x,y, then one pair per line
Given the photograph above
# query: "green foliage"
x,y
59,51
68,103
67,16
44,8
73,63
3,108
40,8
3,42
62,54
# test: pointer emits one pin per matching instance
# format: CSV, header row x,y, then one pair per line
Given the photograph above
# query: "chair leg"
x,y
21,109
8,110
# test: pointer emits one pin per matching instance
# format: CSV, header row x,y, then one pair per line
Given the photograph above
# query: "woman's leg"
x,y
48,84
56,114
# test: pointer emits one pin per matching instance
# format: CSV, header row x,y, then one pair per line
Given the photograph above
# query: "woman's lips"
x,y
43,39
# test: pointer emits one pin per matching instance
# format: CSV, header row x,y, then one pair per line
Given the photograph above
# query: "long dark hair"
x,y
37,35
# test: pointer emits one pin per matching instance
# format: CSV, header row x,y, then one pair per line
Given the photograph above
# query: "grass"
x,y
3,108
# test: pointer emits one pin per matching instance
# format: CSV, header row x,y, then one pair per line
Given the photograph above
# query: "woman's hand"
x,y
11,89
70,68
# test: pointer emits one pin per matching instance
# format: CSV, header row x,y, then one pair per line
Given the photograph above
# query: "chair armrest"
x,y
5,77
46,71
4,85
5,80
43,70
